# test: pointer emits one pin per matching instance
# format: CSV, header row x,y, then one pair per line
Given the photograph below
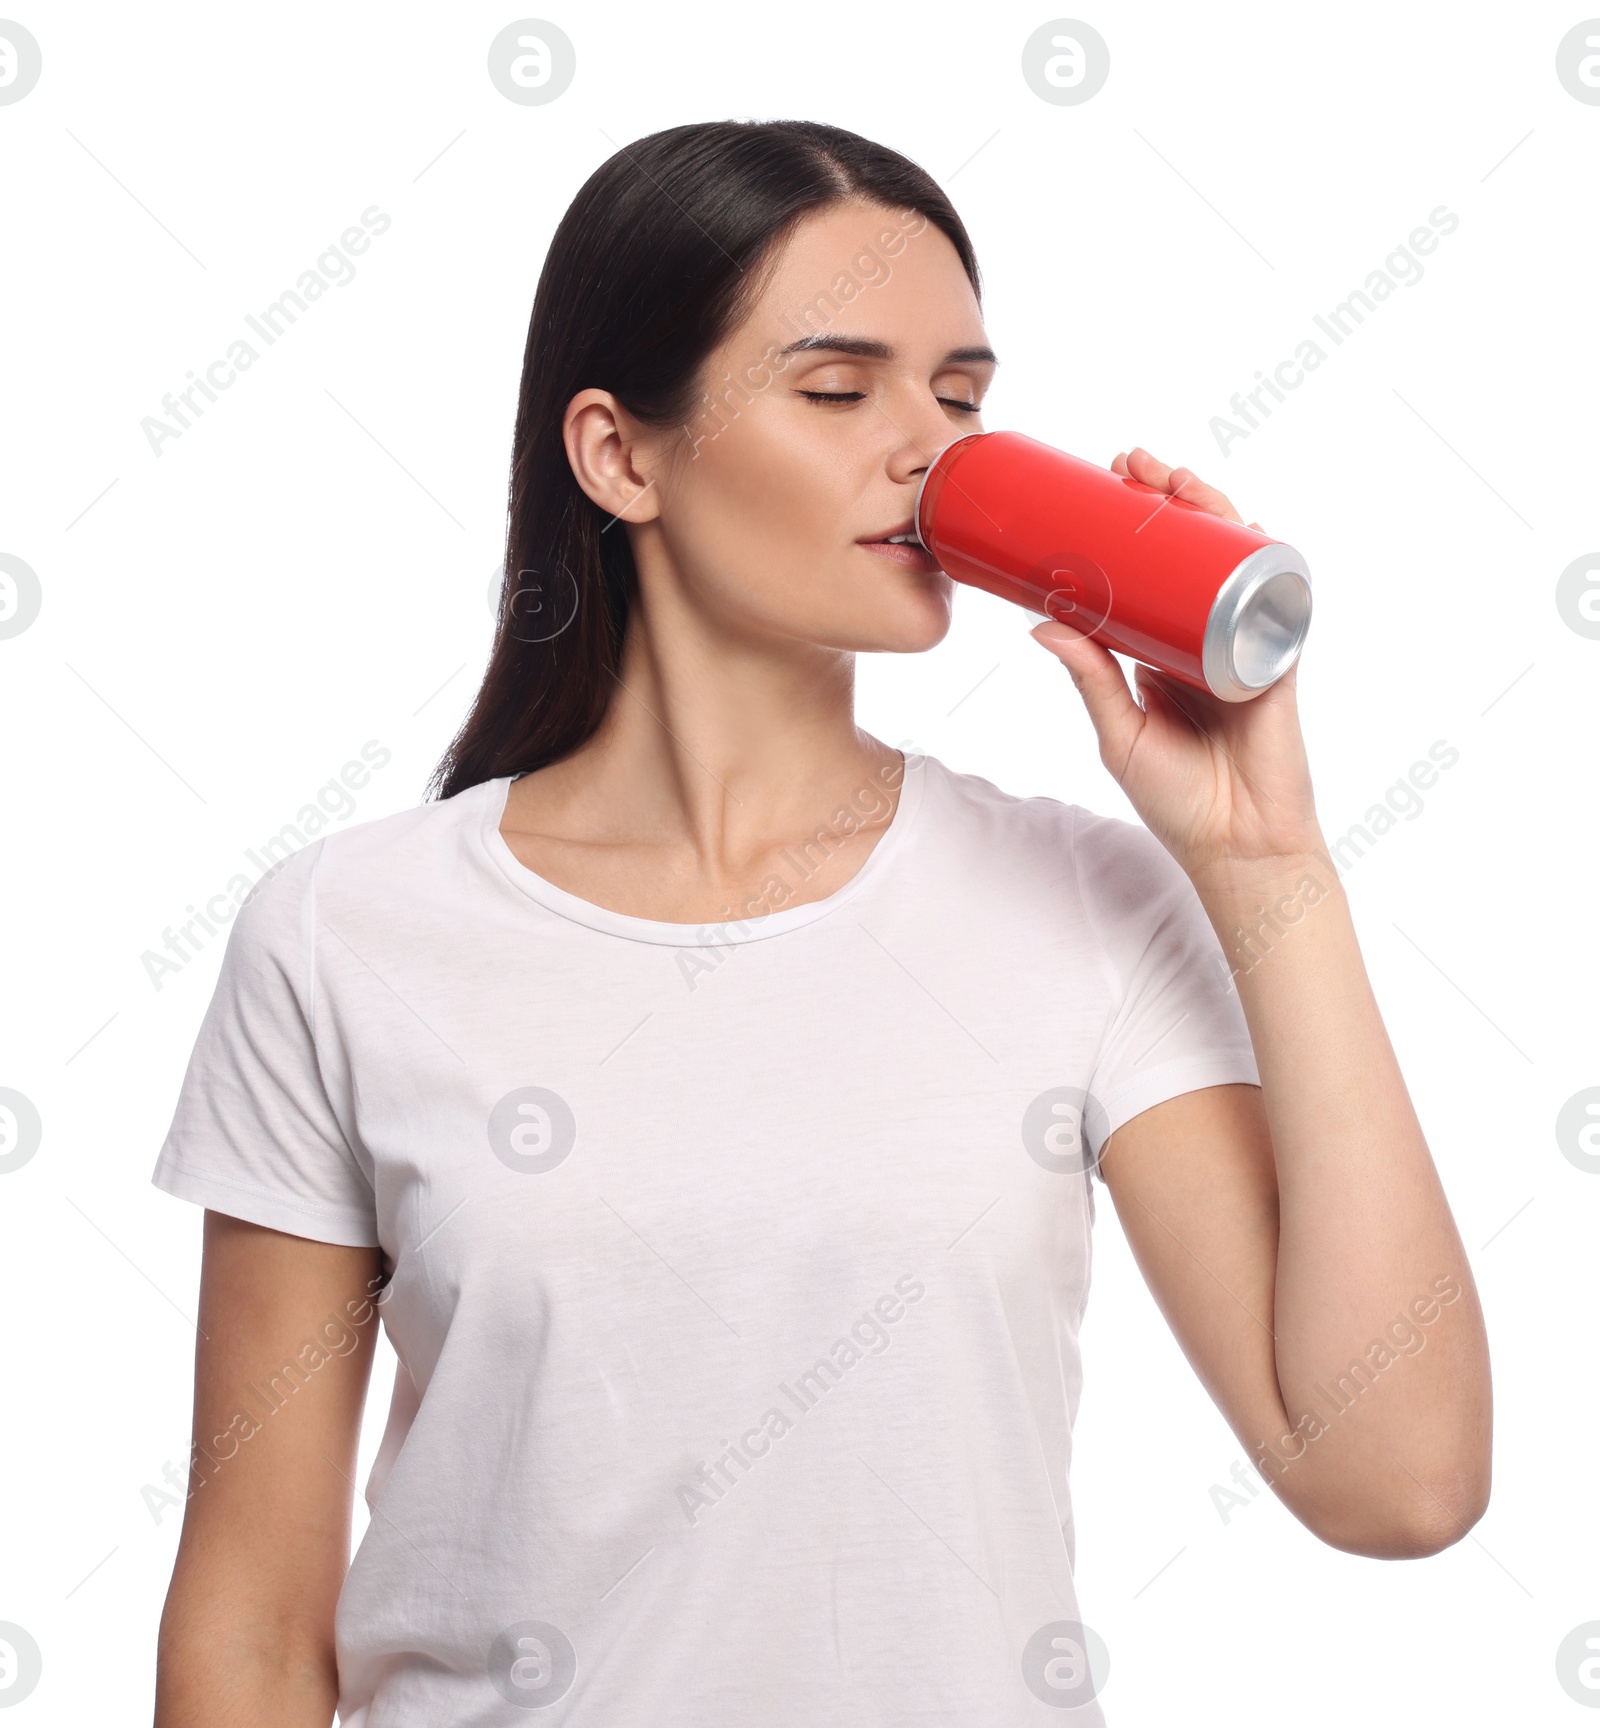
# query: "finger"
x,y
1147,469
1182,483
1117,718
1119,463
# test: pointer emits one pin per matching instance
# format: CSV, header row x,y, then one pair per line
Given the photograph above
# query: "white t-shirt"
x,y
738,1272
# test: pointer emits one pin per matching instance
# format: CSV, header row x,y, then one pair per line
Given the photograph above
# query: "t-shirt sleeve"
x,y
1177,1024
256,1133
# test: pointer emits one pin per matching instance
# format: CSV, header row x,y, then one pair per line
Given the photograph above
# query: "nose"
x,y
919,445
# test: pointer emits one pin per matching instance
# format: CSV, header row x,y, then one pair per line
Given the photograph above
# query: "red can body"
x,y
1211,602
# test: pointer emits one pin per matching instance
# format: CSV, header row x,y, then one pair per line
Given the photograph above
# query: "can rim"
x,y
922,486
1217,658
927,475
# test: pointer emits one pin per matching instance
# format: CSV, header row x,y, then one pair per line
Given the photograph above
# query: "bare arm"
x,y
1300,1245
281,1367
1296,1237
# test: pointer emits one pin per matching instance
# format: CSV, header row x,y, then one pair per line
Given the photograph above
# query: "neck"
x,y
718,742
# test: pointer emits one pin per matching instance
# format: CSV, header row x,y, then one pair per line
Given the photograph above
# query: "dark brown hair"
x,y
657,258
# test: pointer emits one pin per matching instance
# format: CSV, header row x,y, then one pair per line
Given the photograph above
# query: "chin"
x,y
910,620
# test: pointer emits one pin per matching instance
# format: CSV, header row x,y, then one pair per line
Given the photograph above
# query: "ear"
x,y
609,449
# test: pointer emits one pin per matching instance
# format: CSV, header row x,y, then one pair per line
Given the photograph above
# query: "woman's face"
x,y
864,356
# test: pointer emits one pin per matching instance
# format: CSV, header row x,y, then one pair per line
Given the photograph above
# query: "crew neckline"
x,y
714,935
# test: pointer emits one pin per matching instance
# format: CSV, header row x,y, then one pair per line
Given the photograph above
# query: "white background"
x,y
307,568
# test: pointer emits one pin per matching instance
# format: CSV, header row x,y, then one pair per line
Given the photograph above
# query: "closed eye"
x,y
860,395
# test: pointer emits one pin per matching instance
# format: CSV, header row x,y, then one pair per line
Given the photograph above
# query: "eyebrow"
x,y
868,349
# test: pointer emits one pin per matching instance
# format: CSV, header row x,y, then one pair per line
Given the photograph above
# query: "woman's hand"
x,y
1218,783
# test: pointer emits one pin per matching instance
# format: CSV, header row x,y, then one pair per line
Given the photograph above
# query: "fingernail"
x,y
1055,631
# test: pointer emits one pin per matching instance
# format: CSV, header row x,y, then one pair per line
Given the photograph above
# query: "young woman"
x,y
708,1095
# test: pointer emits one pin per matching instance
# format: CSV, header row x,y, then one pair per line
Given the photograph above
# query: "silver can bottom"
x,y
1258,623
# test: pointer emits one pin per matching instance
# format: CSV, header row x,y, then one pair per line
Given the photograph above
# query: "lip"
x,y
917,558
914,556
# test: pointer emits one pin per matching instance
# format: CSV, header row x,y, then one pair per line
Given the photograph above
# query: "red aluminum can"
x,y
1216,604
